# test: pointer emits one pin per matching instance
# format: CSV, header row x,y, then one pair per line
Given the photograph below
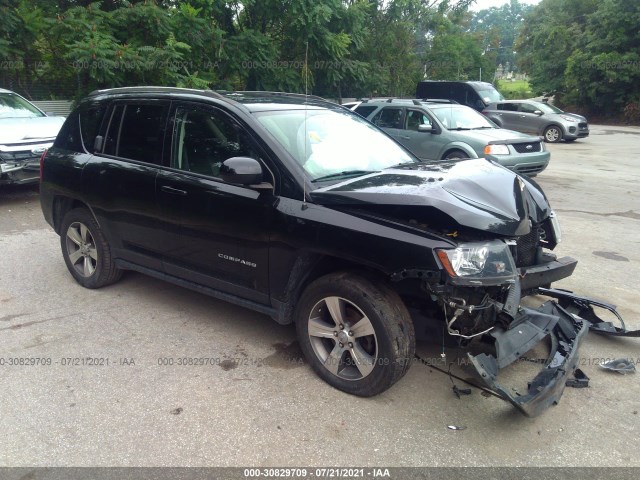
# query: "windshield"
x,y
333,142
14,106
546,108
461,118
491,95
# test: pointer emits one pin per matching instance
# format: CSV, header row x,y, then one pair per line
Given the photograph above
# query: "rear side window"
x,y
365,110
136,131
388,118
508,107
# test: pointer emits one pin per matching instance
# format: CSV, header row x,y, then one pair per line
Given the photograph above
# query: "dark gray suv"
x,y
538,118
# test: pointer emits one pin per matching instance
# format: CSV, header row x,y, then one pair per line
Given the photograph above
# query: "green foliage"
x,y
498,28
333,48
586,52
514,90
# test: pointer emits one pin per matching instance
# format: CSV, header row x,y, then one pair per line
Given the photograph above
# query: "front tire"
x,y
86,251
552,134
356,334
455,155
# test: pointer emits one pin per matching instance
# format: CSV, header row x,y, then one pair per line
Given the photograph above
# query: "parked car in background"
x,y
445,131
538,118
477,95
25,133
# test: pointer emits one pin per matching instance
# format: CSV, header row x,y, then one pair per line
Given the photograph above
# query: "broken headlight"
x,y
479,263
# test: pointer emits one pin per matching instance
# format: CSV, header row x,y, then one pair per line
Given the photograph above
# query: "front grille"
x,y
582,125
529,147
527,248
530,170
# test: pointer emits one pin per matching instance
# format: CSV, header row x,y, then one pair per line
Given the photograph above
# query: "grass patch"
x,y
516,90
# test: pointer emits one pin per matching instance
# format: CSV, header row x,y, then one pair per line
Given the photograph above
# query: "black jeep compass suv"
x,y
303,210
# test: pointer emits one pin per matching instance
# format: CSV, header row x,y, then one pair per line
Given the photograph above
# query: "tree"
x,y
585,52
498,28
550,34
603,73
334,48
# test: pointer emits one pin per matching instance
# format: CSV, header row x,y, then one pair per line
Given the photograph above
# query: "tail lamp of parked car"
x,y
44,154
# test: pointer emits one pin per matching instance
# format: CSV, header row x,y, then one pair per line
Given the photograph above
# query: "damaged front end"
x,y
481,302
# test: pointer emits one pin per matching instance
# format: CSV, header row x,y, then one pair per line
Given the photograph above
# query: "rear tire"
x,y
86,251
356,333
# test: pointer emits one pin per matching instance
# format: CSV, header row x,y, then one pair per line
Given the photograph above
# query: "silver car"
x,y
444,131
25,133
538,118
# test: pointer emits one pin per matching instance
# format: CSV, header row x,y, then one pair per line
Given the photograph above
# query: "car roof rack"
x,y
440,100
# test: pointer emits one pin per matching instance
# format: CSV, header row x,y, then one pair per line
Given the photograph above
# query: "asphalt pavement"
x,y
144,373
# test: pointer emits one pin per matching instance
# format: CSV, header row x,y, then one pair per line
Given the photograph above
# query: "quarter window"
x,y
90,119
365,110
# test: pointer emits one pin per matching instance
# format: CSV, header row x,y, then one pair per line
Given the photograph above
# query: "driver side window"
x,y
415,118
526,108
203,139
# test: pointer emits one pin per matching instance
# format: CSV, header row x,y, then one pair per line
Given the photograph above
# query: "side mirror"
x,y
423,127
241,171
538,112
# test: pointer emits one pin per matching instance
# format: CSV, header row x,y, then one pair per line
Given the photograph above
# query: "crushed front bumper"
x,y
544,274
529,328
566,321
20,172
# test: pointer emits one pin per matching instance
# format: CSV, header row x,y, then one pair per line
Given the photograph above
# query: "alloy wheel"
x,y
343,338
81,249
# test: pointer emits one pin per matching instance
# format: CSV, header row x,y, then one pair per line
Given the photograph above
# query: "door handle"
x,y
173,191
405,138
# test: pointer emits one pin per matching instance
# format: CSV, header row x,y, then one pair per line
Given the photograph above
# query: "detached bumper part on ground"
x,y
566,322
533,325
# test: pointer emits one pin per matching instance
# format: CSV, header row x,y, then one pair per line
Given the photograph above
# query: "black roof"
x,y
242,97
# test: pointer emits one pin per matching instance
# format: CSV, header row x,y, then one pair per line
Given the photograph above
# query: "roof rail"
x,y
440,100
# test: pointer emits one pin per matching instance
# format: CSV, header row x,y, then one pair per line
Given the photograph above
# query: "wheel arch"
x,y
62,205
461,147
307,268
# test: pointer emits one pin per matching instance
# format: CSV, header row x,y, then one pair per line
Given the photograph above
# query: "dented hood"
x,y
476,193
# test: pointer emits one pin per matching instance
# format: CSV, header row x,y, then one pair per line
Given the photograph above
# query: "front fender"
x,y
465,147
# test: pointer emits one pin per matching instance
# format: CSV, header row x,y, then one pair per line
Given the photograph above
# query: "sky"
x,y
483,4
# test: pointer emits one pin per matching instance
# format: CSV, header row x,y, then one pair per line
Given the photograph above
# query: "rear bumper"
x,y
545,274
532,326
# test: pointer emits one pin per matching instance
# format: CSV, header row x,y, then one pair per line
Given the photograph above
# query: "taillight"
x,y
42,162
